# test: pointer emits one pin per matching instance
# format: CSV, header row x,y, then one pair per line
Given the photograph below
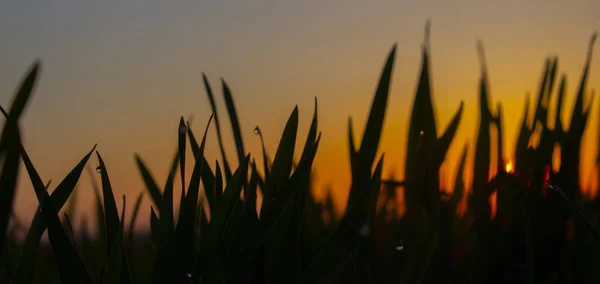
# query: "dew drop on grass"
x,y
183,128
98,169
256,130
400,246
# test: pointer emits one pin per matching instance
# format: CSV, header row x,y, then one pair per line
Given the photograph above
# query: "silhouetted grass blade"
x,y
282,166
217,123
218,188
115,259
25,269
446,138
165,263
233,118
208,178
151,185
9,150
68,263
182,147
110,207
184,233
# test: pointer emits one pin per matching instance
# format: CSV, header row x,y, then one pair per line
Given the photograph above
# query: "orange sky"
x,y
121,75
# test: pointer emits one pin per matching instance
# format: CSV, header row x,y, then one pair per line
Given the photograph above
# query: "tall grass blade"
x,y
26,267
233,118
217,124
115,265
282,167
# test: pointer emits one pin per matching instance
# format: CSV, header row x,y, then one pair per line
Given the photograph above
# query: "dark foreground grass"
x,y
538,235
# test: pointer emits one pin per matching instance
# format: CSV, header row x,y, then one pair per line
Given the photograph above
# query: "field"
x,y
540,229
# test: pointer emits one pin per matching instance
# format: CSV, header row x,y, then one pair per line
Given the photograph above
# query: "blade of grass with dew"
x,y
184,232
217,124
112,220
282,167
9,153
26,266
233,119
115,263
266,161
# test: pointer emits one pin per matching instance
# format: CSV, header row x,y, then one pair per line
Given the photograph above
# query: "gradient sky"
x,y
121,73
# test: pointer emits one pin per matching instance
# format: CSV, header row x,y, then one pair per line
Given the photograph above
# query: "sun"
x,y
509,167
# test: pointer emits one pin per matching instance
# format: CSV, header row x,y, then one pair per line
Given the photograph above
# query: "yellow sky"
x,y
121,75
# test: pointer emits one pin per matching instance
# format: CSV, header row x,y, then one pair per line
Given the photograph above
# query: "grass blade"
x,y
233,118
114,264
217,124
59,197
282,167
151,185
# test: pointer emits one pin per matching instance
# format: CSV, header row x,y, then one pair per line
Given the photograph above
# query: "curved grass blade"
x,y
214,110
114,265
151,185
9,151
448,136
68,263
208,178
233,118
59,197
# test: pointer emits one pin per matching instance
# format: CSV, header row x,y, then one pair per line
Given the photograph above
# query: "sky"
x,y
122,73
